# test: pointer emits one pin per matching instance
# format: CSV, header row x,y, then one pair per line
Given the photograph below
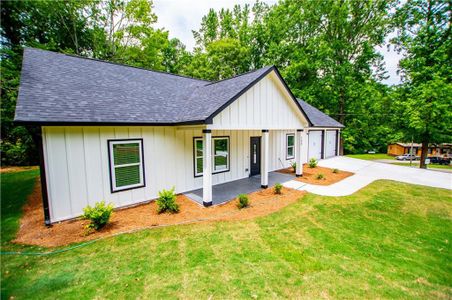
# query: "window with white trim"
x,y
198,157
290,146
220,155
126,164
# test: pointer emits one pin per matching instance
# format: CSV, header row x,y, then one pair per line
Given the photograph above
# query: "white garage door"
x,y
315,145
331,143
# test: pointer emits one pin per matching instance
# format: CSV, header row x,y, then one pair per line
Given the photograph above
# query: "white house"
x,y
118,133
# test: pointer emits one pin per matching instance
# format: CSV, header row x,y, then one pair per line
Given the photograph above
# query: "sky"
x,y
180,17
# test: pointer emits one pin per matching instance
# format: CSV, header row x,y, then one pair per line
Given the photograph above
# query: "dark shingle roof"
x,y
63,88
214,94
318,118
58,88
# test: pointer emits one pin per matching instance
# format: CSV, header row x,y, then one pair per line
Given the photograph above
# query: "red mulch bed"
x,y
310,175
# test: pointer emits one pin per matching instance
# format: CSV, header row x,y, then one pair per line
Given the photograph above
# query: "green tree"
x,y
114,30
208,31
175,56
259,35
424,28
327,52
129,34
222,59
222,30
59,26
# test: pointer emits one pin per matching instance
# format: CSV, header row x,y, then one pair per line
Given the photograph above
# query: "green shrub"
x,y
167,202
320,176
294,166
99,215
243,201
313,163
278,188
335,171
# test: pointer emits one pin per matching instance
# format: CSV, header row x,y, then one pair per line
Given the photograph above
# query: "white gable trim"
x,y
266,104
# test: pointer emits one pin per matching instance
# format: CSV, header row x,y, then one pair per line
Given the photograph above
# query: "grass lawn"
x,y
371,156
447,167
416,165
15,187
385,156
389,240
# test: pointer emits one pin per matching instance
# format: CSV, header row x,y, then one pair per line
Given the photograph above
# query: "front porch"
x,y
259,156
224,192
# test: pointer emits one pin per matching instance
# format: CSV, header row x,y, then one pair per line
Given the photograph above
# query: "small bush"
x,y
167,202
243,201
335,171
294,166
320,176
313,163
278,188
99,215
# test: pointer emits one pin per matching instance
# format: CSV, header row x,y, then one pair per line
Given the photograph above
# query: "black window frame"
x,y
213,155
111,164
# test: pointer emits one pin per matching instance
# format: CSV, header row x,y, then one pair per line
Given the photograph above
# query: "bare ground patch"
x,y
12,169
32,230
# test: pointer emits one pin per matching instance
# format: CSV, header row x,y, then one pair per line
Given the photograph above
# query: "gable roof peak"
x,y
243,74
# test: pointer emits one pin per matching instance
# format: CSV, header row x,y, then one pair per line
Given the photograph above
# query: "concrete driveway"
x,y
368,171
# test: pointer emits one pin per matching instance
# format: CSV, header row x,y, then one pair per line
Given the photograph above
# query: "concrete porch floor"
x,y
222,193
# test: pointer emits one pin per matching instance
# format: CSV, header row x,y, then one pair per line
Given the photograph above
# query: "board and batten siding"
x,y
266,105
78,172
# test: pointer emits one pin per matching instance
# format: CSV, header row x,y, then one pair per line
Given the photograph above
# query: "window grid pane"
x,y
199,165
126,176
198,148
126,153
221,153
198,156
290,151
221,162
290,144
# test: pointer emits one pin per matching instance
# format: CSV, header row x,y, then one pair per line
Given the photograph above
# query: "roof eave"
x,y
326,126
86,123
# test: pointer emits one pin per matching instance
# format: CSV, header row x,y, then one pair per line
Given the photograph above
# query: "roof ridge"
x,y
118,64
238,75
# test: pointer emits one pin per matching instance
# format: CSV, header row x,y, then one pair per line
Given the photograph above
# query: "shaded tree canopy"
x,y
424,100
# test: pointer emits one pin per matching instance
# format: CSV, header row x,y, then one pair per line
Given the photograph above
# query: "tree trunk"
x,y
424,151
341,118
341,146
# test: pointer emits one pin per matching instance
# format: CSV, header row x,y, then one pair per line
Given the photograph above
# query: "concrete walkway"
x,y
368,171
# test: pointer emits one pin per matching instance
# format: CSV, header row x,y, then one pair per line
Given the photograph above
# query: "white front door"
x,y
331,143
315,145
